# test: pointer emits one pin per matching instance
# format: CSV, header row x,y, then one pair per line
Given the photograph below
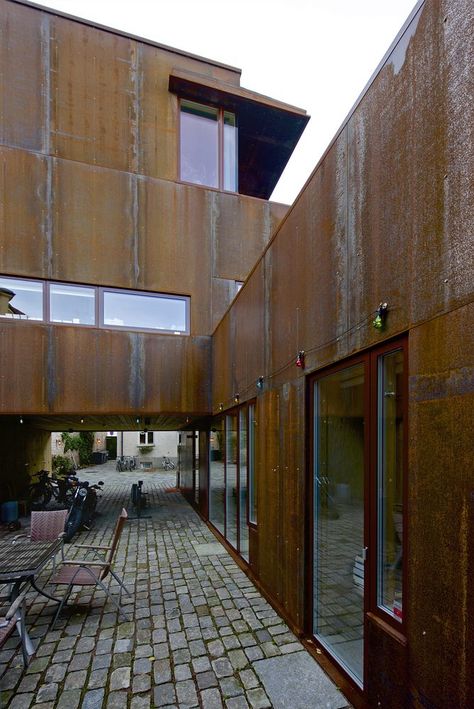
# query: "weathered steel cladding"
x,y
441,509
386,216
132,372
88,94
82,223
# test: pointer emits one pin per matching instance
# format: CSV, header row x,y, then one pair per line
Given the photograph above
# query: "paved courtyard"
x,y
199,634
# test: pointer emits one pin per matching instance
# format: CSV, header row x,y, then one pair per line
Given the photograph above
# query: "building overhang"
x,y
268,130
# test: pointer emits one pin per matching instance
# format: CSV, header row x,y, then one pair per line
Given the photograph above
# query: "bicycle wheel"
x,y
40,496
73,523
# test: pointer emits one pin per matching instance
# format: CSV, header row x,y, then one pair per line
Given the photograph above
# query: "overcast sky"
x,y
315,54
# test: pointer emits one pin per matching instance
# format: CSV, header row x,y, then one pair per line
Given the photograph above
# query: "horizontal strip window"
x,y
93,306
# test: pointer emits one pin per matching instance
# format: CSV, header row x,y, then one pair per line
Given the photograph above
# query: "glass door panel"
x,y
339,516
217,476
231,479
244,530
390,483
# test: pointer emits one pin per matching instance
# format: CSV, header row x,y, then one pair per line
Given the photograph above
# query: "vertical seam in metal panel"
x,y
46,55
136,83
134,234
48,217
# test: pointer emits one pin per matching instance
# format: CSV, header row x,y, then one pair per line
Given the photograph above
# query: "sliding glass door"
x,y
339,516
359,486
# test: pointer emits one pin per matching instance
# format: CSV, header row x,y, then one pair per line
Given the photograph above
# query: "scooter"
x,y
82,509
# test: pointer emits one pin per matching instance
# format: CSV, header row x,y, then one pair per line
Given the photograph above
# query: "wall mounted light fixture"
x,y
221,407
260,383
379,321
300,359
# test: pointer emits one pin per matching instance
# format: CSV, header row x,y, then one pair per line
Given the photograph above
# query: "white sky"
x,y
315,54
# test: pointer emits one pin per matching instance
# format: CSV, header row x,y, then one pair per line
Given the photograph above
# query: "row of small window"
x,y
43,301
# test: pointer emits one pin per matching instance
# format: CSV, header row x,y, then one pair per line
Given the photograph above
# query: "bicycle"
x,y
42,492
167,464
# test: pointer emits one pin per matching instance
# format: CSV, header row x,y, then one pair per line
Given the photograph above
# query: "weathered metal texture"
x,y
175,245
440,595
253,220
87,94
94,85
248,316
222,365
24,233
68,369
23,104
387,216
23,387
94,236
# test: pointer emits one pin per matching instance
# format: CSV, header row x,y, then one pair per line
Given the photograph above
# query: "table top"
x,y
25,558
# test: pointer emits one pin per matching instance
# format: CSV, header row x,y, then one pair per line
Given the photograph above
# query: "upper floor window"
x,y
208,149
145,438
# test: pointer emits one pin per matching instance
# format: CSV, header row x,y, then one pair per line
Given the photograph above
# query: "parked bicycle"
x,y
126,462
167,464
42,492
82,512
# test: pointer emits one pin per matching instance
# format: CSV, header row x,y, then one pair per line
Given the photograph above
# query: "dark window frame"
x,y
370,359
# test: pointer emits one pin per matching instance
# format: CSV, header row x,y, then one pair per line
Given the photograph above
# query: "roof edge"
x,y
128,35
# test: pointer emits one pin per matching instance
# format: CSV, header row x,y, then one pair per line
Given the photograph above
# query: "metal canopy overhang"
x,y
268,130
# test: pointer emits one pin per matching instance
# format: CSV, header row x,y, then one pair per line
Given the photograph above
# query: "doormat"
x,y
171,489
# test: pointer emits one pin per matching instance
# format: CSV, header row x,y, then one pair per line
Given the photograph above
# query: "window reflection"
x,y
217,476
390,484
72,304
208,146
133,310
21,299
243,463
199,144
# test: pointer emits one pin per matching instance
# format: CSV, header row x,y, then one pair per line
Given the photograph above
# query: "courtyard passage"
x,y
199,634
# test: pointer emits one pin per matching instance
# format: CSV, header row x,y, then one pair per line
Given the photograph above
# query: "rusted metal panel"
x,y
248,347
94,92
269,500
24,229
175,245
23,99
222,369
159,119
441,520
23,368
253,220
93,225
74,370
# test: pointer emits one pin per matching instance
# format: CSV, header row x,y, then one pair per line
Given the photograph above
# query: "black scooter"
x,y
81,514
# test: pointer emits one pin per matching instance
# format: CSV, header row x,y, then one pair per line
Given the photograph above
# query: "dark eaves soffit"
x,y
268,130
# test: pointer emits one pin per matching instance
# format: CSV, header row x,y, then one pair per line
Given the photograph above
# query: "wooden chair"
x,y
14,615
92,572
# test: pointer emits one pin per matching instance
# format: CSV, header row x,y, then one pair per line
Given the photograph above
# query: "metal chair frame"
x,y
73,570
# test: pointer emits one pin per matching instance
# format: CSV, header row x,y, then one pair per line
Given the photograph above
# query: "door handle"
x,y
364,553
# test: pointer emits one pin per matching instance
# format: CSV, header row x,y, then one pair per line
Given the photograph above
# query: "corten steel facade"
x,y
385,217
91,195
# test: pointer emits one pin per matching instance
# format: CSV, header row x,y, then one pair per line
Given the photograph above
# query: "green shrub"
x,y
62,465
82,442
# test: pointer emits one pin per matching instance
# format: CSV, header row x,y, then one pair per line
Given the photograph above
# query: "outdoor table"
x,y
22,561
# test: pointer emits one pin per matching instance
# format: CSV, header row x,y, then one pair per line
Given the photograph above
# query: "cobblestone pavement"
x,y
198,628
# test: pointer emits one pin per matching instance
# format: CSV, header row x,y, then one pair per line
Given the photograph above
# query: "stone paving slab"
x,y
198,628
296,681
